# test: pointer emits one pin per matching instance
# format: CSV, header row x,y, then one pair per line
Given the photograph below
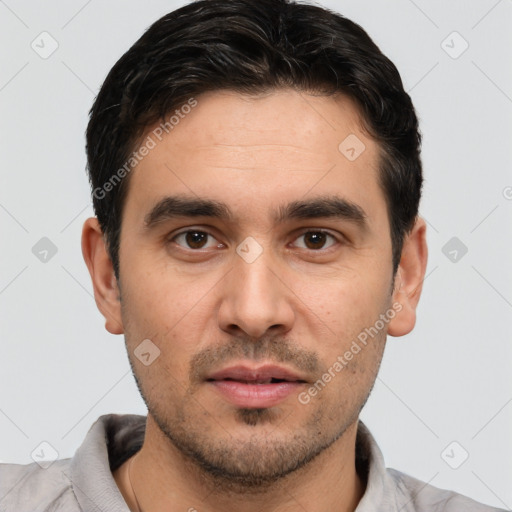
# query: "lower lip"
x,y
256,395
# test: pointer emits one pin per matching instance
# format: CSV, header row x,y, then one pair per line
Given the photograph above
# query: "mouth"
x,y
257,381
261,387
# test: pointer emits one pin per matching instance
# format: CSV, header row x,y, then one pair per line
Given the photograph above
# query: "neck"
x,y
163,476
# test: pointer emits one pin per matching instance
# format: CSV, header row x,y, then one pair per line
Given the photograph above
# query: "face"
x,y
255,256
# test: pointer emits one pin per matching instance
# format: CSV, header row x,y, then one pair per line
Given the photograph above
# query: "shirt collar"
x,y
380,493
111,440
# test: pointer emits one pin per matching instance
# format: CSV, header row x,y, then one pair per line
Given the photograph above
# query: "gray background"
x,y
447,381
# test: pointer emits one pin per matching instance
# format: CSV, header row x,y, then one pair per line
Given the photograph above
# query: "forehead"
x,y
250,151
241,127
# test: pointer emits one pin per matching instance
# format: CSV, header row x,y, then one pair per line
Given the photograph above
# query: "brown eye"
x,y
315,240
194,239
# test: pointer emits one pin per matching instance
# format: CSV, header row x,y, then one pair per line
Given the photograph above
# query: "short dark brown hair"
x,y
251,47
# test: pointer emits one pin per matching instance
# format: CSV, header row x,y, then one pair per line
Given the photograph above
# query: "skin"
x,y
298,305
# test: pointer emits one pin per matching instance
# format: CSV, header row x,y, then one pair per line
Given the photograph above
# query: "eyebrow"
x,y
323,208
172,207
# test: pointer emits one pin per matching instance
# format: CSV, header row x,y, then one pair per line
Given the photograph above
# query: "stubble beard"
x,y
251,466
254,463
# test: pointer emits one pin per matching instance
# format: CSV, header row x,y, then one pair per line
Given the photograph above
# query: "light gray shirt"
x,y
84,483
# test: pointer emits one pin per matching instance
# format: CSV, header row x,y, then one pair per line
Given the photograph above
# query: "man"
x,y
256,178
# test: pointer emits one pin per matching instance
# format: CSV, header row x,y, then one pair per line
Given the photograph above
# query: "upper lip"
x,y
258,374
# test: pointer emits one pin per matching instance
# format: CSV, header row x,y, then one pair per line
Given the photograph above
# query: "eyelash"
x,y
316,231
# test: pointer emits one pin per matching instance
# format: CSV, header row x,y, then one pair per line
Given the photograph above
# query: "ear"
x,y
409,279
106,290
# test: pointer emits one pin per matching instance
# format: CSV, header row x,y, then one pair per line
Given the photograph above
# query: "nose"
x,y
256,300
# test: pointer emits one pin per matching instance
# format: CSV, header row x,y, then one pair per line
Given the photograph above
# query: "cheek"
x,y
157,300
345,306
163,375
156,308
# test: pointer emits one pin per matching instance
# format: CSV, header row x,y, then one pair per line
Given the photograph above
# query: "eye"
x,y
195,239
316,240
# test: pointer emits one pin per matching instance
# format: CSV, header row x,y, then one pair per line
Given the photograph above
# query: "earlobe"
x,y
409,279
106,290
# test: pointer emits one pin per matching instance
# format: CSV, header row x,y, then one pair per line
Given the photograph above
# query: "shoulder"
x,y
30,488
419,496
